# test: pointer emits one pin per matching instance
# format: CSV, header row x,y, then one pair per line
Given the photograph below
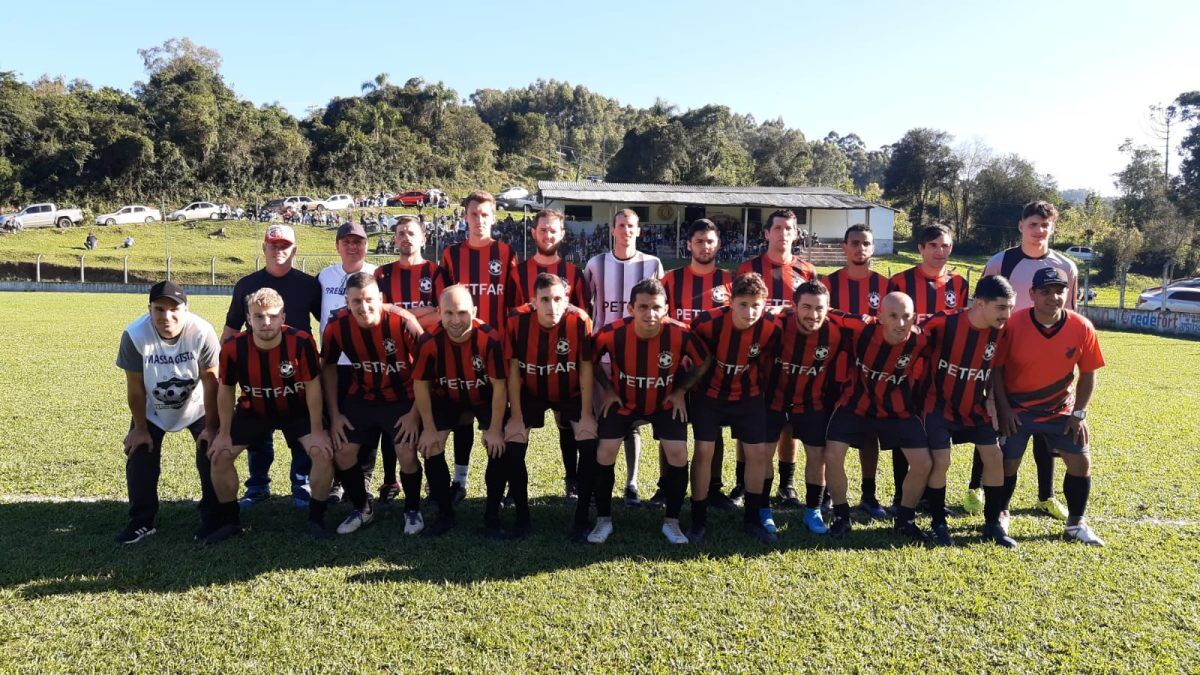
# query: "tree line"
x,y
184,134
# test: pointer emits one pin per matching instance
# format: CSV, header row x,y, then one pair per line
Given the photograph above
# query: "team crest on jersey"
x,y
873,299
286,369
902,362
796,281
821,353
665,359
389,346
989,351
477,363
720,295
426,284
495,268
951,298
755,350
563,347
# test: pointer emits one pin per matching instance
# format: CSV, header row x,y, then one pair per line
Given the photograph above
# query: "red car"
x,y
410,198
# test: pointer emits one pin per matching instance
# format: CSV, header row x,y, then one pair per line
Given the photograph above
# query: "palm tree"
x,y
381,81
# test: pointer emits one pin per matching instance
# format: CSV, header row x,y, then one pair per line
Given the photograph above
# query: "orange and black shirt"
x,y
487,272
740,356
644,370
409,286
381,358
461,371
960,363
930,295
1039,362
272,382
782,280
690,294
883,377
548,358
526,273
801,377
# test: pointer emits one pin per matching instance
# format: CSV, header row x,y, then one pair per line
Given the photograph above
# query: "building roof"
x,y
703,195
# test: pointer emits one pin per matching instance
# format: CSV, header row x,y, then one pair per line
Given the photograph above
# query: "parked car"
x,y
198,211
519,204
46,215
1178,298
337,202
1081,253
299,202
515,192
128,215
409,198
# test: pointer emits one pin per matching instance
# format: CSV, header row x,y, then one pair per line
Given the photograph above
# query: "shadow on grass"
x,y
66,548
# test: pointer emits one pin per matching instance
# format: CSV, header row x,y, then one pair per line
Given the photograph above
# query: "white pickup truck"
x,y
45,215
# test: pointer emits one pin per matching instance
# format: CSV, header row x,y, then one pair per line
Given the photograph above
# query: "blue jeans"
x,y
261,454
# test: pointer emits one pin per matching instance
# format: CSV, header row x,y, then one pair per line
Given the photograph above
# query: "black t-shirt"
x,y
301,295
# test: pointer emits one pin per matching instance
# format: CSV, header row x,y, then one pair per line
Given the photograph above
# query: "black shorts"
x,y
447,413
746,418
533,410
942,433
617,425
851,429
808,426
373,419
248,427
1055,431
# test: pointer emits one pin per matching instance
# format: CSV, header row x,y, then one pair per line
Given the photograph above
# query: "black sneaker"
x,y
494,531
873,510
570,494
760,533
826,505
658,500
632,498
441,525
996,534
205,529
457,493
388,492
840,527
222,533
696,535
579,533
335,494
738,495
912,531
941,535
318,531
132,534
787,497
717,500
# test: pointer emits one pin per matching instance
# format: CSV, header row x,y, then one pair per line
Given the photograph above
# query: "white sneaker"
x,y
1005,519
671,531
355,521
601,531
413,522
1083,534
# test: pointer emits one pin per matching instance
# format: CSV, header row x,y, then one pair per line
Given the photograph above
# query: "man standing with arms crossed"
x,y
301,295
611,278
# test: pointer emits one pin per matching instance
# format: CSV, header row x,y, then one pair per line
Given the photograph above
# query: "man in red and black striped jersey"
x,y
1038,392
459,375
277,370
783,272
692,290
485,268
647,383
550,368
857,289
730,392
548,231
410,281
380,345
801,389
933,288
882,398
962,358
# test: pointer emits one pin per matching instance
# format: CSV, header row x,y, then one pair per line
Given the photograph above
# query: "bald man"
x,y
880,399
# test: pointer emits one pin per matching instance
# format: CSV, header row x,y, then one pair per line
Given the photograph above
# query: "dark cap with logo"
x,y
168,289
1049,276
351,229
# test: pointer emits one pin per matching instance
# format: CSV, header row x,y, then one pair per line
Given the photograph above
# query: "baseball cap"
x,y
168,289
1048,276
280,233
351,229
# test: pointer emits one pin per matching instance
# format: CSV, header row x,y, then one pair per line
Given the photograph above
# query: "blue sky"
x,y
1061,83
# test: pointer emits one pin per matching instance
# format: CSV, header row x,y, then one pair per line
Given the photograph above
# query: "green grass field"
x,y
271,600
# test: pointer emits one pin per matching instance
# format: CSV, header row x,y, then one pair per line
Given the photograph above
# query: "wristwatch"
x,y
1079,414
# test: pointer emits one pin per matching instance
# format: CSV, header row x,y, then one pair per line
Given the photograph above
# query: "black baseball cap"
x,y
168,289
1048,276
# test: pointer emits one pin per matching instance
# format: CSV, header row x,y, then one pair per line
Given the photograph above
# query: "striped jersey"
x,y
801,377
883,376
1039,362
856,296
1013,264
610,281
408,286
690,295
930,295
960,363
644,369
526,274
487,272
782,279
740,356
381,357
548,358
461,371
271,382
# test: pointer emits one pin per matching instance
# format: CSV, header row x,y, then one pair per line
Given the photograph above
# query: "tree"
x,y
921,163
829,164
1141,184
179,52
781,156
1002,188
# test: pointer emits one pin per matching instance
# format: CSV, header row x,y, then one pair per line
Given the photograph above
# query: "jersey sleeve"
x,y
583,334
310,364
694,347
581,295
128,356
992,268
331,347
227,373
603,343
210,348
1090,357
494,358
426,366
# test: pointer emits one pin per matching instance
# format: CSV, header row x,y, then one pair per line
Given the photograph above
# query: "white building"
x,y
825,212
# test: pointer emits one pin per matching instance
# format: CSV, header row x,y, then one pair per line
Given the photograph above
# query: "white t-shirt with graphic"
x,y
171,369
